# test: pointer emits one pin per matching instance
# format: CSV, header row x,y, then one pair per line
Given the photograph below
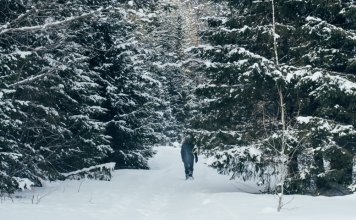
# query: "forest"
x,y
266,88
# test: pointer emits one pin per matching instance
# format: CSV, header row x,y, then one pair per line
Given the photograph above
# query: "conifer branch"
x,y
48,25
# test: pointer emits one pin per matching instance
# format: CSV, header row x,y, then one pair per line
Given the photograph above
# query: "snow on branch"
x,y
100,172
32,78
49,25
23,183
19,18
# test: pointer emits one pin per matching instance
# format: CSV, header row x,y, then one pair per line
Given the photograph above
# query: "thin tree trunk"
x,y
284,170
274,34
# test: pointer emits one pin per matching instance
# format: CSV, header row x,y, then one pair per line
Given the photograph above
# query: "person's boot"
x,y
190,175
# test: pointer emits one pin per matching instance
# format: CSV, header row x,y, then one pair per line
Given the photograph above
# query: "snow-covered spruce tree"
x,y
177,29
69,79
129,86
239,112
168,43
48,94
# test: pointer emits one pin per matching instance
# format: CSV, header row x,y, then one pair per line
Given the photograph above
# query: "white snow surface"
x,y
162,193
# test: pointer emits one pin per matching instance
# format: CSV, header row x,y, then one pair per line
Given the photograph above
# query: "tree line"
x,y
266,91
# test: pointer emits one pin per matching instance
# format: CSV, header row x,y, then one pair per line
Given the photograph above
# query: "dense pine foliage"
x,y
72,91
85,83
239,123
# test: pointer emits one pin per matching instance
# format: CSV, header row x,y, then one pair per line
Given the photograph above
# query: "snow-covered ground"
x,y
162,193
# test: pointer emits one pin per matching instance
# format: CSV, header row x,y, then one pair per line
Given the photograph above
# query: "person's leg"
x,y
184,159
186,169
190,166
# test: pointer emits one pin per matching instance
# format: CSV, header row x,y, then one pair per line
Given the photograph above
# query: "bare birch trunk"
x,y
284,158
283,166
274,34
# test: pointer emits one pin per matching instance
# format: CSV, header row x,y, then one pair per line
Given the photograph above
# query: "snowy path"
x,y
162,193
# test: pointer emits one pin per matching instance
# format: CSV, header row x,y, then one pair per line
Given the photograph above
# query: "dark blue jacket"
x,y
187,153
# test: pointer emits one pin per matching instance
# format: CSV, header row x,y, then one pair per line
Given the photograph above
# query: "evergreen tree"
x,y
128,91
49,93
238,123
73,93
177,30
167,43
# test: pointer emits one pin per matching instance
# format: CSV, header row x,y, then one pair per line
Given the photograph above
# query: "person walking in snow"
x,y
188,153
